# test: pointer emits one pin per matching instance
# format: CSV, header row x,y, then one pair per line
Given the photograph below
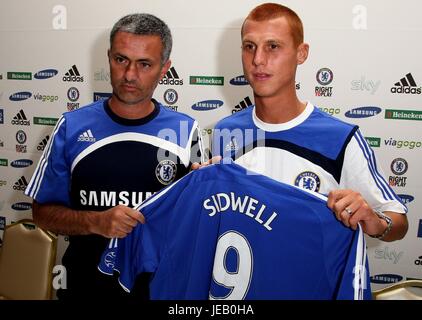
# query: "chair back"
x,y
404,290
27,259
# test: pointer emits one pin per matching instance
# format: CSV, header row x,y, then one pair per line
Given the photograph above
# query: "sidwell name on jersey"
x,y
246,205
112,198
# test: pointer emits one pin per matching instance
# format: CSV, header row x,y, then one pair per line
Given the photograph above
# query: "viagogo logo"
x,y
405,144
330,111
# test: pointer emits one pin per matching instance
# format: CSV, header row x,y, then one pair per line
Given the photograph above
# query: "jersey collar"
x,y
132,122
274,127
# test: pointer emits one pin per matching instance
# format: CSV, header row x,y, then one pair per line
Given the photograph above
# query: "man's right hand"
x,y
116,222
197,165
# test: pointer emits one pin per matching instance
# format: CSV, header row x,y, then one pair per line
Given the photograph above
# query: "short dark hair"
x,y
145,24
268,11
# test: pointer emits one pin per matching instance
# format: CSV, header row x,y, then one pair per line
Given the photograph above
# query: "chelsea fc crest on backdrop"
x,y
166,171
308,180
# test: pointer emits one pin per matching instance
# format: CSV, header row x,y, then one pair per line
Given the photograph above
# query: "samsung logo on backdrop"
x,y
239,81
21,206
19,96
21,163
45,74
207,105
405,198
363,112
386,278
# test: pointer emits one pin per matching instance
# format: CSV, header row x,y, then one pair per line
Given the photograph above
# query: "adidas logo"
x,y
21,184
73,75
406,85
41,146
242,105
171,78
20,119
233,145
86,136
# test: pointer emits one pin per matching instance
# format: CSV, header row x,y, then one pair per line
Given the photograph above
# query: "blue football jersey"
x,y
223,232
313,151
95,160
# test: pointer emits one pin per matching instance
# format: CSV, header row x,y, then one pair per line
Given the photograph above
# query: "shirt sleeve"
x,y
361,172
140,251
51,179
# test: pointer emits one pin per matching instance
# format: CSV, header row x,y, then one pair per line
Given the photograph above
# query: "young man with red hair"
x,y
293,141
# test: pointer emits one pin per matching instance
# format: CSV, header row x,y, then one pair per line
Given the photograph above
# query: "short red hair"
x,y
269,11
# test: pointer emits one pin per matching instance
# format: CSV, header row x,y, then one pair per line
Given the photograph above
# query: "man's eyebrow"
x,y
127,58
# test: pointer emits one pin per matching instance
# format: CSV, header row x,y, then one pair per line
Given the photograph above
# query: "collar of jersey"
x,y
132,122
273,127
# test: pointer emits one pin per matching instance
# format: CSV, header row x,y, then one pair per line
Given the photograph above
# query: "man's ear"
x,y
165,68
302,53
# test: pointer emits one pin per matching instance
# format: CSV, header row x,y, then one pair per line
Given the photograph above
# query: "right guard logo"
x,y
308,180
399,167
324,77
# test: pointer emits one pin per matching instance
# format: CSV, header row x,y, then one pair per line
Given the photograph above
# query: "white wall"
x,y
372,41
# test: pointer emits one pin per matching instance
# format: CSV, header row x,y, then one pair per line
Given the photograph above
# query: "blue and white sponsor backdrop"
x,y
364,67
